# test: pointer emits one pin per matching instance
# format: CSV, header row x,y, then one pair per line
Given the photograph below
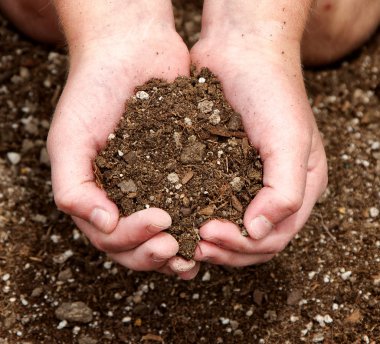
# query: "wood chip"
x,y
152,337
294,297
207,211
186,178
245,146
226,133
236,203
354,317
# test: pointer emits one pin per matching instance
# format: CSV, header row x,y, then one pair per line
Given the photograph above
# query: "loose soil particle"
x,y
181,147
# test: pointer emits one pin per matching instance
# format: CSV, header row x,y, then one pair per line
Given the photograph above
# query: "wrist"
x,y
272,22
87,25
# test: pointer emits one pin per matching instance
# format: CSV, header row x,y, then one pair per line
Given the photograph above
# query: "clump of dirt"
x,y
181,147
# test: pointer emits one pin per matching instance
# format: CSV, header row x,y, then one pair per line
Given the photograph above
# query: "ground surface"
x,y
323,288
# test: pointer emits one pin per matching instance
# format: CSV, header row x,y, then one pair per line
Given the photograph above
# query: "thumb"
x,y
73,179
285,172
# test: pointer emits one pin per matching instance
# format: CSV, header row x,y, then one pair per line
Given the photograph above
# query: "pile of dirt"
x,y
181,147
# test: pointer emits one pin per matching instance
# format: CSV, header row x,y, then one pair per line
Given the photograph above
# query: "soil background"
x,y
324,288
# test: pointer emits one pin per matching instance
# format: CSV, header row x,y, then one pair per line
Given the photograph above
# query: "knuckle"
x,y
64,201
276,247
292,203
99,244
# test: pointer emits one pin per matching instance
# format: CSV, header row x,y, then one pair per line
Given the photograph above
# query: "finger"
x,y
179,265
75,191
214,254
150,255
188,275
185,269
130,232
228,236
166,270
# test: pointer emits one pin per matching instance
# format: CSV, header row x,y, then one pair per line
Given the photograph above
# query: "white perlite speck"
x,y
111,136
188,121
6,277
142,95
201,80
374,212
214,119
237,184
319,337
206,277
62,324
63,257
346,275
173,178
14,157
224,321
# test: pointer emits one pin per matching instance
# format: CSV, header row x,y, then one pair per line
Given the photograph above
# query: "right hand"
x,y
103,74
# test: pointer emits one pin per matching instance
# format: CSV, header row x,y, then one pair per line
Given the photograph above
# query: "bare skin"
x,y
110,47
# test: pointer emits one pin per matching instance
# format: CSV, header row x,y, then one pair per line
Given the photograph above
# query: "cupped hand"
x,y
263,81
102,75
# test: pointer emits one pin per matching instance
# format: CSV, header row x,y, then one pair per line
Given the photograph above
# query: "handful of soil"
x,y
181,147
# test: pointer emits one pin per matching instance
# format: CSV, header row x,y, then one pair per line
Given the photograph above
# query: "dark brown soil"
x,y
182,148
324,287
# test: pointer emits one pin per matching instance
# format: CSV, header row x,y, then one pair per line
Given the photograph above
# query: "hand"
x,y
103,74
262,79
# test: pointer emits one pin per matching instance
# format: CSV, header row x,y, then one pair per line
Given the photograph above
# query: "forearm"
x,y
273,20
86,21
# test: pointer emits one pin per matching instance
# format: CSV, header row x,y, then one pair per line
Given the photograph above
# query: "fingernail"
x,y
100,219
259,227
154,228
179,265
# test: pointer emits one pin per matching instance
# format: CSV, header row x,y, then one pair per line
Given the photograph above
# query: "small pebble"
x,y
74,311
346,275
6,277
142,95
374,212
62,324
63,257
224,321
214,119
173,178
205,106
14,157
206,277
127,186
319,337
237,184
